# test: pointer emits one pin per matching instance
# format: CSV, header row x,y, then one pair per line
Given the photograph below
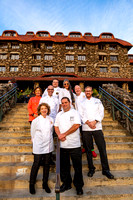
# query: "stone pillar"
x,y
36,84
81,84
125,87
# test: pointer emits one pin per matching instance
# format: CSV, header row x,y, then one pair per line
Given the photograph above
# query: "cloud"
x,y
97,16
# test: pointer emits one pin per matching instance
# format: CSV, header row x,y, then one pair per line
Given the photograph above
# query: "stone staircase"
x,y
16,159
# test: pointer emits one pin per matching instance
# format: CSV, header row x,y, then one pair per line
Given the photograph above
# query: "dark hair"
x,y
37,88
70,90
66,98
43,104
88,87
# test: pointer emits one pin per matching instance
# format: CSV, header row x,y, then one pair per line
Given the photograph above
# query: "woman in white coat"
x,y
66,91
42,138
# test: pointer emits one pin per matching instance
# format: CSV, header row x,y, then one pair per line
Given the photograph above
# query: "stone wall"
x,y
4,88
59,62
124,97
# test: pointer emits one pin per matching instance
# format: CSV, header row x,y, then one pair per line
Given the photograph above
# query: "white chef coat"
x,y
53,103
65,93
91,110
79,99
64,121
55,93
42,135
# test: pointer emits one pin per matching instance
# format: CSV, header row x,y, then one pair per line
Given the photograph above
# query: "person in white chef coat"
x,y
66,91
67,125
92,113
55,84
42,139
79,98
52,101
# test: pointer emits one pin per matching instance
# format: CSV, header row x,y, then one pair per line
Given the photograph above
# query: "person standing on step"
x,y
67,125
33,104
42,138
52,101
79,97
92,113
66,91
55,84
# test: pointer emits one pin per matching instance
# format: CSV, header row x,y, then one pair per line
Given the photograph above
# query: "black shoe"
x,y
46,188
108,174
79,191
64,187
32,189
91,172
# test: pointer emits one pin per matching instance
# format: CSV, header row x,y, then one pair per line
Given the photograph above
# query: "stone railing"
x,y
4,88
124,97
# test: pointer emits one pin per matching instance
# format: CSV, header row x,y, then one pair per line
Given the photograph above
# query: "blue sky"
x,y
95,16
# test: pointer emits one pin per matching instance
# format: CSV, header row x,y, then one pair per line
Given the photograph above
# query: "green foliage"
x,y
96,93
24,93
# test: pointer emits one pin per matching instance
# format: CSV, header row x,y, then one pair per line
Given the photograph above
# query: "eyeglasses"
x,y
66,83
50,89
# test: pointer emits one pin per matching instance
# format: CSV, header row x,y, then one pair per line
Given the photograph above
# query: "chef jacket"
x,y
42,135
91,109
55,93
79,99
64,121
53,103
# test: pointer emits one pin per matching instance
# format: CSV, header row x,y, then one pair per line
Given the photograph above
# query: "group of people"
x,y
62,111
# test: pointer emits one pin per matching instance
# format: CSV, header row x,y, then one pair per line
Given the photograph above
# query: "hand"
x,y
62,137
91,124
35,115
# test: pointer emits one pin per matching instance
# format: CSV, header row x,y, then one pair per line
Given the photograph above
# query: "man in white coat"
x,y
92,113
79,98
55,84
52,101
67,125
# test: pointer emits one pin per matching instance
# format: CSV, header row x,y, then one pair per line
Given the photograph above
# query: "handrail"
x,y
57,185
116,105
11,94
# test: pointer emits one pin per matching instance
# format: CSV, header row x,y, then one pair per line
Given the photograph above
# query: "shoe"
x,y
46,188
79,191
94,155
91,172
108,174
83,150
64,187
32,189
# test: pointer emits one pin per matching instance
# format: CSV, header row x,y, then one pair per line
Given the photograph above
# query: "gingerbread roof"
x,y
45,36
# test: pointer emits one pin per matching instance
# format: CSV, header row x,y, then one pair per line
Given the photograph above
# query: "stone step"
x,y
26,123
27,140
19,182
21,127
91,193
12,168
24,118
26,132
28,147
28,157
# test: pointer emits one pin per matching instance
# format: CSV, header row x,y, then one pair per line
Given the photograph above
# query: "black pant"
x,y
81,132
76,157
100,142
38,159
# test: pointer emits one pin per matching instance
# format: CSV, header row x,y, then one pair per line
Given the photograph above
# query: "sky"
x,y
95,16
